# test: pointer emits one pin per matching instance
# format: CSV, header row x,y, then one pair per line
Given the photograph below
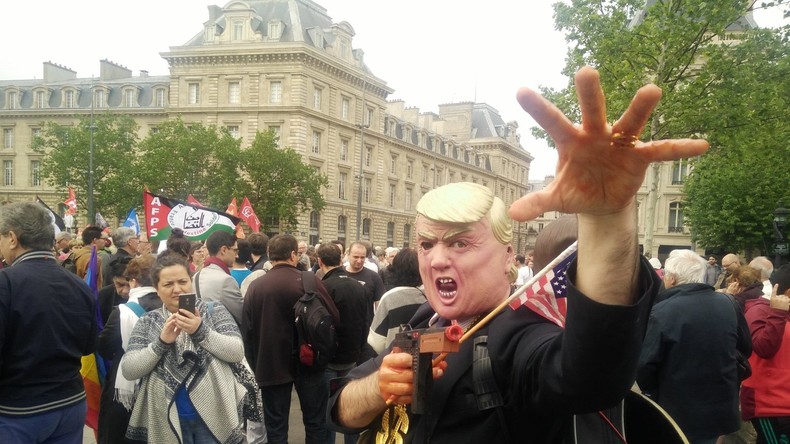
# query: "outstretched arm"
x,y
600,169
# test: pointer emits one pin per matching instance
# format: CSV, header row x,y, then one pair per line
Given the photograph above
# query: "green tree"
x,y
278,183
672,44
180,158
734,188
65,163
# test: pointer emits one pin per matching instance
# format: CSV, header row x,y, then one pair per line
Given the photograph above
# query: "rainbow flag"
x,y
93,369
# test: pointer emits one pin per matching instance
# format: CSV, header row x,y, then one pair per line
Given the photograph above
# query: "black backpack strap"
x,y
485,386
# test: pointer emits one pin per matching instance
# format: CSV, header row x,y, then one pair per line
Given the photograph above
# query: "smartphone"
x,y
187,302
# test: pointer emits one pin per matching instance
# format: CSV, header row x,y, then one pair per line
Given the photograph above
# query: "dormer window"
x,y
100,97
12,99
275,31
68,98
41,99
238,30
317,36
210,33
160,97
128,98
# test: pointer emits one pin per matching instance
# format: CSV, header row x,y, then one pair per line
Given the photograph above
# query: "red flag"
x,y
249,216
191,199
233,210
71,203
547,295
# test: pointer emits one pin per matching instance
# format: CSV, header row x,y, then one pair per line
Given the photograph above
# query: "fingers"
x,y
396,378
671,149
591,100
635,117
548,116
530,206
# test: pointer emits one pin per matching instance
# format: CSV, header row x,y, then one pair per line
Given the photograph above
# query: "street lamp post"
x,y
360,178
91,128
780,221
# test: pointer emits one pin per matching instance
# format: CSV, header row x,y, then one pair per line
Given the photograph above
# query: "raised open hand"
x,y
600,166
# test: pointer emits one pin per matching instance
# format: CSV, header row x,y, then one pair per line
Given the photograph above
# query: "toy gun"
x,y
422,344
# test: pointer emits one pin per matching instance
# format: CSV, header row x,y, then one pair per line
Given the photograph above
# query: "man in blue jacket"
x,y
47,323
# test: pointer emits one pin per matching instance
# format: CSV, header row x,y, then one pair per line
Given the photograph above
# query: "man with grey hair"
x,y
688,363
127,241
766,268
47,323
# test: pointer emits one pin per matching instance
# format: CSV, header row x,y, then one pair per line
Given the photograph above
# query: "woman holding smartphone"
x,y
188,391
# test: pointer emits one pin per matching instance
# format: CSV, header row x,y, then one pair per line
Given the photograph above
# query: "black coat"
x,y
545,374
351,303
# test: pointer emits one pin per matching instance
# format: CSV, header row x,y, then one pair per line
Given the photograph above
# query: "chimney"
x,y
57,73
143,73
113,71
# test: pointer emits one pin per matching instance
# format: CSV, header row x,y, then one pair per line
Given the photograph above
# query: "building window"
x,y
316,142
275,29
160,98
341,186
367,187
276,130
234,131
317,93
675,217
343,149
194,93
69,99
406,235
407,198
35,132
409,169
344,105
368,116
234,92
98,99
425,173
276,92
238,30
8,138
128,98
315,221
392,195
366,229
368,156
8,173
680,170
394,164
41,101
390,234
12,100
342,222
35,173
210,32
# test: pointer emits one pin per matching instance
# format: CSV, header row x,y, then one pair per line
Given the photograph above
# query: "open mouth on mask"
x,y
446,287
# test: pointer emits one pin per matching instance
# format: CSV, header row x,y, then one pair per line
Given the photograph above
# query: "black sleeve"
x,y
110,338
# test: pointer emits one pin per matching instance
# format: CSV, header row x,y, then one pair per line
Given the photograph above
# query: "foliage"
x,y
180,158
66,160
728,94
278,183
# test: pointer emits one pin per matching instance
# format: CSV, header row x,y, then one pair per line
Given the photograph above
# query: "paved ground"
x,y
295,428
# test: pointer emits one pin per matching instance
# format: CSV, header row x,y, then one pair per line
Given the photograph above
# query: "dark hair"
x,y
329,254
217,240
281,247
244,254
90,234
176,233
139,269
405,269
521,259
781,277
554,239
258,243
179,245
31,223
164,260
118,266
193,247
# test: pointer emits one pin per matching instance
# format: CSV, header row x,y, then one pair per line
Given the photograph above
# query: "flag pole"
x,y
562,256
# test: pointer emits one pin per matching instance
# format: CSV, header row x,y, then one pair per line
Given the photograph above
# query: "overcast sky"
x,y
430,51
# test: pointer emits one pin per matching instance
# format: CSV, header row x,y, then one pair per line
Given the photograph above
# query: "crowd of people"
x,y
702,342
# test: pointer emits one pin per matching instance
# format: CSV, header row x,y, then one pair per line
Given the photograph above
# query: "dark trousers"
x,y
330,374
313,397
772,430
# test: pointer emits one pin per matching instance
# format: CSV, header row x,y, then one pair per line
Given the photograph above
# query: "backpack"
x,y
69,264
315,326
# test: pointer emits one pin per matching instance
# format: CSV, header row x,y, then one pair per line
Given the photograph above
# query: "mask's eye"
x,y
459,244
426,245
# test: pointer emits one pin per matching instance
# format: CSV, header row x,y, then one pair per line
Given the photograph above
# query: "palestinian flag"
x,y
162,214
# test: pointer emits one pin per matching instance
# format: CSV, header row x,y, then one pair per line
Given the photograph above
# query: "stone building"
x,y
285,66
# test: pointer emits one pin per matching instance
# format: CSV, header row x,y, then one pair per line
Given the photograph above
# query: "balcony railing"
x,y
675,229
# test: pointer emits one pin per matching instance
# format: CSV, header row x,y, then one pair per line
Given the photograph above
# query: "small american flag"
x,y
547,296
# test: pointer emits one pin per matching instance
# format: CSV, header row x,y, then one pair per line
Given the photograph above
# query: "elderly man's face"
x,y
464,268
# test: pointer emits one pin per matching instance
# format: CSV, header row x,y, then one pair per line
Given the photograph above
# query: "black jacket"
x,y
350,300
48,322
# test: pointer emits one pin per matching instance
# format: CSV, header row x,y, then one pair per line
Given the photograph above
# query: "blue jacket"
x,y
47,323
